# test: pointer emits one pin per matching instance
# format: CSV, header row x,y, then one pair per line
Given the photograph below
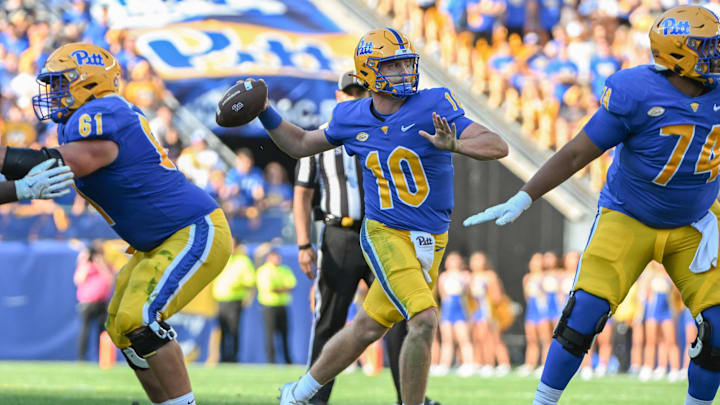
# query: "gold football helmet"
x,y
381,45
686,40
73,75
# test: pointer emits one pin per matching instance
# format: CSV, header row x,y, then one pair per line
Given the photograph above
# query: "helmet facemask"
x,y
409,81
54,100
708,63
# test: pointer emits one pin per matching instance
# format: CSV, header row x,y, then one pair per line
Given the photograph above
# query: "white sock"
x,y
187,399
306,387
690,400
546,395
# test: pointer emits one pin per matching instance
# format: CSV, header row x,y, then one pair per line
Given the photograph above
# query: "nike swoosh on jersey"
x,y
716,107
405,128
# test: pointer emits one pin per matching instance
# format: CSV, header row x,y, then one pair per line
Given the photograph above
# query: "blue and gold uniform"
x,y
180,236
408,186
663,179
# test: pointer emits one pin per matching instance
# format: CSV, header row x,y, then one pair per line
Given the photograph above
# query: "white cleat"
x,y
658,373
674,376
524,370
645,374
486,371
601,370
502,370
586,373
466,370
287,395
539,371
439,371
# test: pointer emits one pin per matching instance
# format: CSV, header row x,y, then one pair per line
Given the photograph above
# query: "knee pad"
x,y
702,352
574,340
148,339
134,361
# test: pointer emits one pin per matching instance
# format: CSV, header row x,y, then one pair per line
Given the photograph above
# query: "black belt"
x,y
342,222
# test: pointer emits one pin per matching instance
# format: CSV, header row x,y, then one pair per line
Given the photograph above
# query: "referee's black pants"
x,y
341,267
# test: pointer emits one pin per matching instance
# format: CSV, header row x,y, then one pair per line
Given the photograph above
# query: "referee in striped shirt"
x,y
341,262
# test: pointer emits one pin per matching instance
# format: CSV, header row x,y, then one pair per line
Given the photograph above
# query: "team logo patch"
x,y
673,27
694,106
362,136
364,48
84,58
656,111
384,129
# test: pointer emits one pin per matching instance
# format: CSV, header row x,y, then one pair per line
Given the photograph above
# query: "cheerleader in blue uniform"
x,y
453,284
659,327
536,322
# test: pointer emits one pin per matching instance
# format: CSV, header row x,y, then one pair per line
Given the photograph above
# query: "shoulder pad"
x,y
623,90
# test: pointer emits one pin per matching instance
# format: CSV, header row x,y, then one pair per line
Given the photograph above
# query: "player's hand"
x,y
445,134
504,213
43,182
307,258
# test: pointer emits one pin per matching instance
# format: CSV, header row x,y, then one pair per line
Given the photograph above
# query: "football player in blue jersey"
x,y
179,236
659,202
404,138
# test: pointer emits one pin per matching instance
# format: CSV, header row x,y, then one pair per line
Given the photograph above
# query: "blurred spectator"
x,y
144,89
197,161
173,145
245,180
274,284
94,280
278,192
233,290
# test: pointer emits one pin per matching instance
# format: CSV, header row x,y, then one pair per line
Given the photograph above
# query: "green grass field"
x,y
56,383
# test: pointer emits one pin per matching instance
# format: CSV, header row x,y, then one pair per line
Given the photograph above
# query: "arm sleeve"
x,y
306,172
453,111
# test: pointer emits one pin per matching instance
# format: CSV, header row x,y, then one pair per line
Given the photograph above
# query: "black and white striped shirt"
x,y
340,179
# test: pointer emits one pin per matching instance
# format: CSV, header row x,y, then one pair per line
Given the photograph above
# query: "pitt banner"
x,y
291,44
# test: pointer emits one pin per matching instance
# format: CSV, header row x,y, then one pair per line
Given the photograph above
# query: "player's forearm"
x,y
567,161
289,138
7,192
480,143
302,199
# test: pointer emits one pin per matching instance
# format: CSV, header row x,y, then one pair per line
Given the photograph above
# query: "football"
x,y
241,103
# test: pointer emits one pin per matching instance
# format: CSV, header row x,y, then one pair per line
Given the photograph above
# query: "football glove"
x,y
43,182
504,213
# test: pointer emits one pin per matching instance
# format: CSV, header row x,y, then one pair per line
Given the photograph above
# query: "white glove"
x,y
505,213
45,183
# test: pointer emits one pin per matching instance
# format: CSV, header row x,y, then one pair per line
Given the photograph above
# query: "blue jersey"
x,y
666,161
141,194
408,182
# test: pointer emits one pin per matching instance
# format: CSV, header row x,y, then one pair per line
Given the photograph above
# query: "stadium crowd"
x,y
29,31
541,63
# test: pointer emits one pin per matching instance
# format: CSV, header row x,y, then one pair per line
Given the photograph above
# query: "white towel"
x,y
707,251
424,244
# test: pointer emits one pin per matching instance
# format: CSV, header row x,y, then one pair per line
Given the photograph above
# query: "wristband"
x,y
305,246
270,118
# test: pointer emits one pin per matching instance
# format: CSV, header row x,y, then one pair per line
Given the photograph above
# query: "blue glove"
x,y
504,213
45,183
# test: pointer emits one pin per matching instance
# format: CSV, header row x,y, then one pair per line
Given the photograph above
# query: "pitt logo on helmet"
x,y
83,58
673,27
364,48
